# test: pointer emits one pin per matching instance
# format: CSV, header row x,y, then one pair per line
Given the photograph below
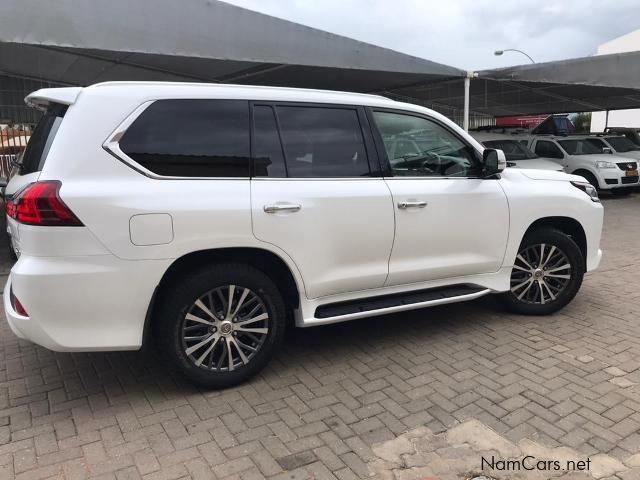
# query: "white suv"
x,y
616,145
516,151
579,156
211,215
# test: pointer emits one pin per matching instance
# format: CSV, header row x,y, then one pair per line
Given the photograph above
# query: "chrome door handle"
x,y
405,205
282,207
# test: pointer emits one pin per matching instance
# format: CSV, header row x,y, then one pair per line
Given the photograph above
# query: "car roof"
x,y
257,92
488,136
561,137
142,92
499,139
151,91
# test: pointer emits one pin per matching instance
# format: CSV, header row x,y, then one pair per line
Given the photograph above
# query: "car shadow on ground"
x,y
320,350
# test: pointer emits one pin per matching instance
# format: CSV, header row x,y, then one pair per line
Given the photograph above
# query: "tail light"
x,y
40,204
17,306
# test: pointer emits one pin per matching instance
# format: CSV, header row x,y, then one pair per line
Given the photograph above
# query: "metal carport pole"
x,y
467,86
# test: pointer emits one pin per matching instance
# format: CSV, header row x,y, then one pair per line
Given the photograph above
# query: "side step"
x,y
400,301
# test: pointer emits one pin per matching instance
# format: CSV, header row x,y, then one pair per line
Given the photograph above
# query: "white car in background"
x,y
615,144
578,156
516,151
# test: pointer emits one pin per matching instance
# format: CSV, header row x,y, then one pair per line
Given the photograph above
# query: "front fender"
x,y
533,200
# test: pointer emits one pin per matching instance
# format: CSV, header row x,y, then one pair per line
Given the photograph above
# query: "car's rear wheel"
x,y
546,275
221,325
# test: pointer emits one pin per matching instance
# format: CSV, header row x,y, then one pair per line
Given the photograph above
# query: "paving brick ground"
x,y
571,379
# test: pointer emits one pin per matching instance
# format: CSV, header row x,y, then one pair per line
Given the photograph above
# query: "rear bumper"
x,y
82,303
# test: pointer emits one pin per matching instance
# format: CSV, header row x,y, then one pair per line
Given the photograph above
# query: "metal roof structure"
x,y
78,42
603,82
75,42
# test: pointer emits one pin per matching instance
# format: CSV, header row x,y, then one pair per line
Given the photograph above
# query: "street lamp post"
x,y
500,52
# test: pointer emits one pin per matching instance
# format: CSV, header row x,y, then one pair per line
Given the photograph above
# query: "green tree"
x,y
582,121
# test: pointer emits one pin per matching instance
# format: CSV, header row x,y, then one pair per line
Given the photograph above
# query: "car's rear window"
x,y
622,144
35,154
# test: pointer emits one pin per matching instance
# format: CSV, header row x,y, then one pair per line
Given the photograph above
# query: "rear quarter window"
x,y
191,138
35,154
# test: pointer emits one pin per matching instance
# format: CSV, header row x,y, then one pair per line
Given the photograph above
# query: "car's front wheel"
x,y
221,325
589,177
546,275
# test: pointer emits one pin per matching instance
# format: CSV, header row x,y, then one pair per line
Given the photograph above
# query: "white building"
x,y
618,118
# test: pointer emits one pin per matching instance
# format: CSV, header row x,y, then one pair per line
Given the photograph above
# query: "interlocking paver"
x,y
571,379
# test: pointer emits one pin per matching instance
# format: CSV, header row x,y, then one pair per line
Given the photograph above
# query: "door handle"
x,y
282,207
412,204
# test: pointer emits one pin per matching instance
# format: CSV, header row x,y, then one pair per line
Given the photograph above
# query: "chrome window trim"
x,y
112,146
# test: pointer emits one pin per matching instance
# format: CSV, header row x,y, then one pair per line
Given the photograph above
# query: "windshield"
x,y
622,144
579,147
513,149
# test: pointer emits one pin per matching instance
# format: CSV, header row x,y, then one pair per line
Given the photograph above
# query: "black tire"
x,y
180,299
590,178
534,306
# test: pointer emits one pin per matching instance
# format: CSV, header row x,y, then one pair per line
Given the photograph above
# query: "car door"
x,y
449,221
316,194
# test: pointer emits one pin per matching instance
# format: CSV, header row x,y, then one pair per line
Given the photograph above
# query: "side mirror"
x,y
608,150
494,161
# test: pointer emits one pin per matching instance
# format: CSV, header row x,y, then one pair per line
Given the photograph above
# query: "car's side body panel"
x,y
462,230
341,236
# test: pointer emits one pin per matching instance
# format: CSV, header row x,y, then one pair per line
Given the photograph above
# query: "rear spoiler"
x,y
41,99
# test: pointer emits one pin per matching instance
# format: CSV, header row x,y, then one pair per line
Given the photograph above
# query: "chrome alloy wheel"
x,y
540,274
225,328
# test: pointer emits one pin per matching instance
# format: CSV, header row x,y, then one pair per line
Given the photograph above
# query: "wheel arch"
x,y
569,226
270,263
582,170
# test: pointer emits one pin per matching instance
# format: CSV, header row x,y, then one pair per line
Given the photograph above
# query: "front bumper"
x,y
615,178
82,303
593,261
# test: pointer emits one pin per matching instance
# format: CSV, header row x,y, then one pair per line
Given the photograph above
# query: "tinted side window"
x,y
268,159
548,149
35,154
191,138
322,142
596,142
418,147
